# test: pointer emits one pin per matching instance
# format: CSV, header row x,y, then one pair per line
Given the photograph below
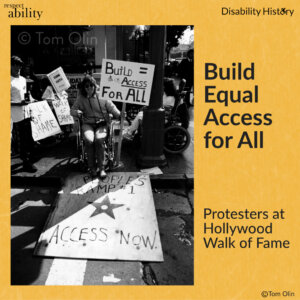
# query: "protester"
x,y
170,103
95,119
186,74
20,115
33,83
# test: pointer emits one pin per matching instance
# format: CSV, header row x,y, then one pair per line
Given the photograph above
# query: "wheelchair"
x,y
176,136
113,130
186,93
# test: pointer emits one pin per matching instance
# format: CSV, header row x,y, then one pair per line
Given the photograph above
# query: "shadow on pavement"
x,y
27,224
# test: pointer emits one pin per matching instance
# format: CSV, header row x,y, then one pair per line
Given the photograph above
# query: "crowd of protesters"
x,y
93,111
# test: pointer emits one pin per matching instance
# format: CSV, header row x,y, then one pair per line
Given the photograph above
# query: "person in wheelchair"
x,y
95,120
171,103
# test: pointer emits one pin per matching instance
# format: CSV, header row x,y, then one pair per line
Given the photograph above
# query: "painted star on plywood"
x,y
105,207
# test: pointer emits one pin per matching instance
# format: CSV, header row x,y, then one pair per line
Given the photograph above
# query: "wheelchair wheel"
x,y
177,139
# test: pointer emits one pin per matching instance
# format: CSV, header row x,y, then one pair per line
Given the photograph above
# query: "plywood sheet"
x,y
111,219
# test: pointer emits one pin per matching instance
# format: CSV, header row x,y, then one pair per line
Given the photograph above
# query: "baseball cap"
x,y
16,60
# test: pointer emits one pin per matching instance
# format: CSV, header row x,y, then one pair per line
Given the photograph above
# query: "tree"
x,y
174,33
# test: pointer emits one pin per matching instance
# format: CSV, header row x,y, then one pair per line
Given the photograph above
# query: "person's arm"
x,y
182,70
76,110
111,108
31,98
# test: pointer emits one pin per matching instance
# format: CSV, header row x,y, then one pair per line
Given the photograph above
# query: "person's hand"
x,y
120,116
80,113
33,119
31,99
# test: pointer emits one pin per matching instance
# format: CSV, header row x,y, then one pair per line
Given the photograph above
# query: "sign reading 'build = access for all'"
x,y
125,81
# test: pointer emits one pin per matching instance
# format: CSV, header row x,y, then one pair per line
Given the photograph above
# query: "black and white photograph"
x,y
102,155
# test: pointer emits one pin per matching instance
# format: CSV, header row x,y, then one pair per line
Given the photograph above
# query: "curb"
x,y
172,181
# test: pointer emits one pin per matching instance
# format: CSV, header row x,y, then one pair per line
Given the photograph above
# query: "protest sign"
x,y
126,82
72,91
59,80
43,122
62,110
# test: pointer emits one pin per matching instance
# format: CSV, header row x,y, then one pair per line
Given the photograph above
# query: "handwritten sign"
x,y
72,91
59,80
62,110
125,81
43,121
112,219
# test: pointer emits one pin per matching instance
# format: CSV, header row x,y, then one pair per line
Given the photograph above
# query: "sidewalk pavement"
x,y
32,196
58,160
